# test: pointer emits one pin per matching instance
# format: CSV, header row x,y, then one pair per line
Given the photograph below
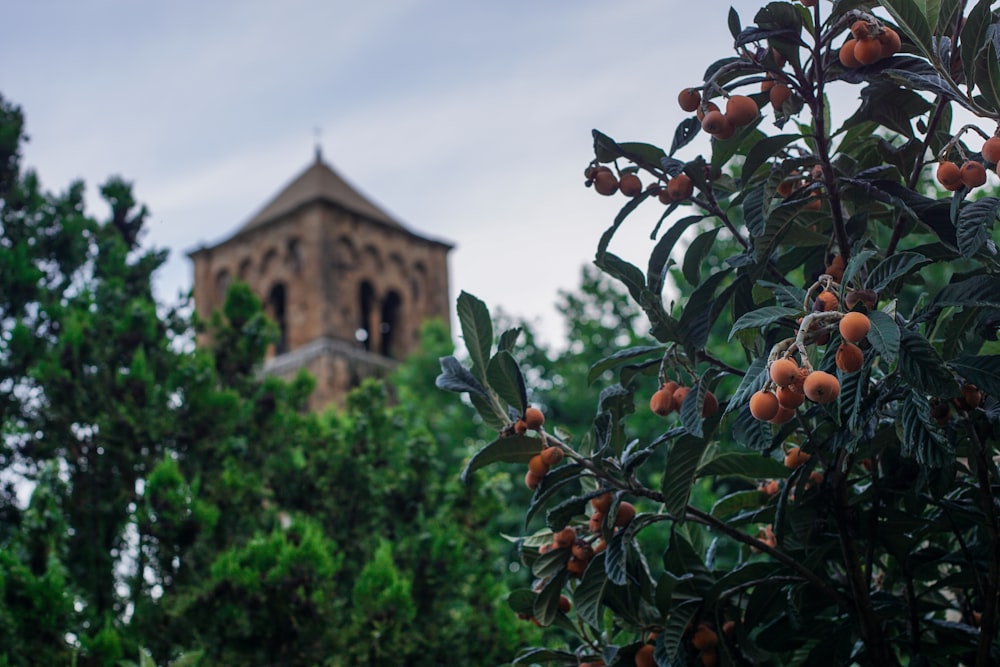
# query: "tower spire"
x,y
317,132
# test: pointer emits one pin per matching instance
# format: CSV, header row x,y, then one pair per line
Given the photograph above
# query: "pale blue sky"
x,y
469,121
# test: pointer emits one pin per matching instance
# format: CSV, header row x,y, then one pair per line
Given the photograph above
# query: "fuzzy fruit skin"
x,y
948,174
602,503
846,54
854,326
764,405
705,109
662,402
789,398
784,372
531,480
630,185
552,456
679,395
991,150
680,187
973,174
644,657
741,110
796,457
866,297
534,418
606,184
538,466
850,358
861,29
821,387
779,94
689,99
565,537
710,406
868,51
715,122
889,39
704,638
784,415
626,511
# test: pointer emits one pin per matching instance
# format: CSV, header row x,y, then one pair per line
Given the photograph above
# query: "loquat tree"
x,y
834,379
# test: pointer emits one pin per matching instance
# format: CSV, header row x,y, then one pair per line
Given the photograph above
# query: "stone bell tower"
x,y
348,285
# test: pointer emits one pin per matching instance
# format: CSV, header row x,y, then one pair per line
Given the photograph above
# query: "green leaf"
x,y
764,150
551,562
679,473
547,602
615,560
477,330
656,272
559,516
508,339
973,39
738,502
701,310
884,335
590,591
686,130
620,357
911,20
145,659
513,449
543,655
522,601
975,222
762,317
457,378
696,253
505,378
991,87
982,371
187,659
556,478
974,291
854,265
892,268
923,368
921,437
735,464
733,19
752,382
628,274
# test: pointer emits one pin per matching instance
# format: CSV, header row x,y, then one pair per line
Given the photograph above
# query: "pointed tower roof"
x,y
319,182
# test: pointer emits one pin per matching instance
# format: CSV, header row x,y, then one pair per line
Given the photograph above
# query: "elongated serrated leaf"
x,y
763,151
513,449
508,339
701,310
973,39
763,317
696,253
750,432
982,371
551,562
991,87
742,465
922,367
911,20
547,602
477,331
737,502
521,601
590,591
187,659
857,261
627,273
614,564
892,268
556,479
686,130
489,412
505,378
788,296
921,437
752,381
975,222
679,473
884,335
456,377
621,357
656,273
545,656
974,291
559,516
733,20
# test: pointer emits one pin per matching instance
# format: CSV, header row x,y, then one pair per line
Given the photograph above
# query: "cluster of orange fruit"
x,y
547,457
740,110
869,43
794,384
670,396
970,399
972,173
604,181
581,551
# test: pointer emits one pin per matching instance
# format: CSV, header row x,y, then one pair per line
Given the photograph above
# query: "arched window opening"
x,y
294,255
277,303
389,325
221,285
363,334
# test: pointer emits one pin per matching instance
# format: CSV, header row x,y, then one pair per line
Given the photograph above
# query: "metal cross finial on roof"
x,y
318,131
